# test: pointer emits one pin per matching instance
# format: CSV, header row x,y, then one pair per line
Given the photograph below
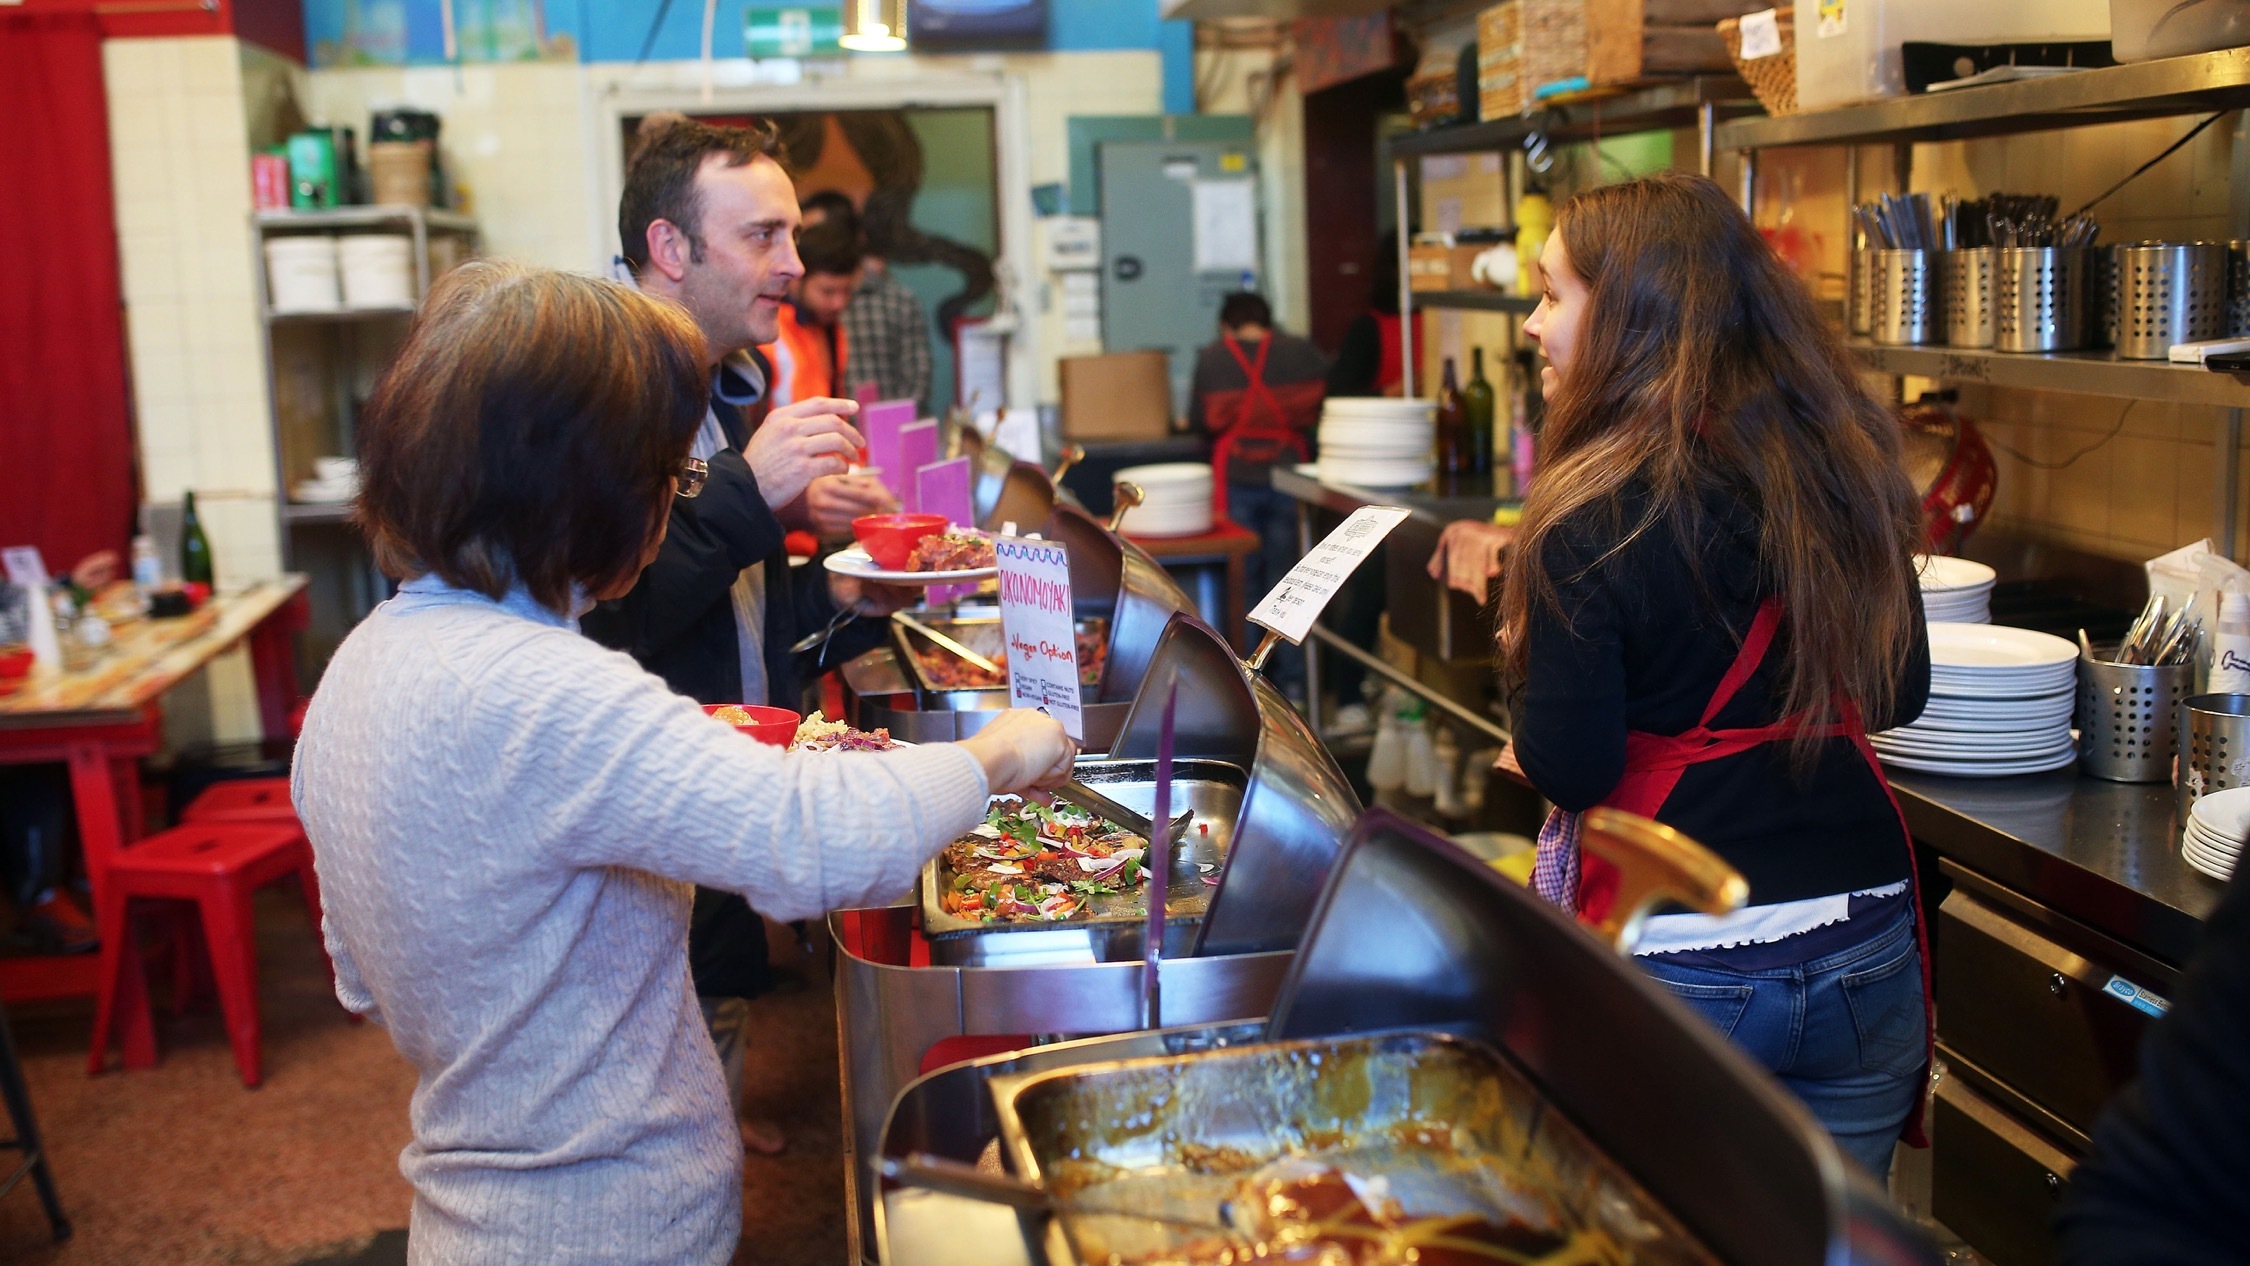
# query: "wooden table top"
x,y
147,658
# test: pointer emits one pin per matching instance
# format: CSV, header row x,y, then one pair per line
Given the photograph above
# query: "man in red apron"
x,y
1256,397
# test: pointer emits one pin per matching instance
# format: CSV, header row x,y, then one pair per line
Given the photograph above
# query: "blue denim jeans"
x,y
1846,1033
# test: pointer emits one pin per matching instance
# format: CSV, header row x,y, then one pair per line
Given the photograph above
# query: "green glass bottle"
x,y
195,547
1477,400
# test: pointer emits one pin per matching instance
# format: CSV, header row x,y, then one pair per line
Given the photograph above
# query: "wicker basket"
x,y
1773,78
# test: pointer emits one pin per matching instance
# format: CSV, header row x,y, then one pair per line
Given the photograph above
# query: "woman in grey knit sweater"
x,y
508,819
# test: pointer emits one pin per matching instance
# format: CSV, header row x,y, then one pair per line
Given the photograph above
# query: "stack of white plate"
x,y
1176,502
2215,831
2000,703
1376,441
1955,590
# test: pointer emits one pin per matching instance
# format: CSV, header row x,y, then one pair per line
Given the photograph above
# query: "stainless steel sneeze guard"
x,y
1413,934
1294,810
1297,810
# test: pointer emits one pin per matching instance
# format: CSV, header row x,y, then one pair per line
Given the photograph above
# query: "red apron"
x,y
1654,764
1273,420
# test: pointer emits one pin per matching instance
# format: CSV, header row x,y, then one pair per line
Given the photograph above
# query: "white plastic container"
x,y
2230,650
301,274
2143,30
378,270
1848,50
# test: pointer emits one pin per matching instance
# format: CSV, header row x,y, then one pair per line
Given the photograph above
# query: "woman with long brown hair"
x,y
1709,601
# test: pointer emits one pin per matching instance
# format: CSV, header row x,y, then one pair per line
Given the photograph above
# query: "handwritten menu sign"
x,y
1039,623
1292,606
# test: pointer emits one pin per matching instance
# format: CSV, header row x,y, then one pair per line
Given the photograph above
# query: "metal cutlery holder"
x,y
2238,289
2214,746
2128,718
2040,294
1909,307
1968,297
2167,293
1861,309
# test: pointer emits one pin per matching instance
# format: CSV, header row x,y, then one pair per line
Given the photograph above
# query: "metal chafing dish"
x,y
1274,801
1592,1075
1111,579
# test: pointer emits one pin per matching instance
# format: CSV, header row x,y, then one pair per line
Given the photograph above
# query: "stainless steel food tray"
x,y
980,632
1116,928
1451,1126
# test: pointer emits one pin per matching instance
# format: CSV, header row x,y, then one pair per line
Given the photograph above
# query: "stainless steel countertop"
x,y
2107,854
1467,497
2104,853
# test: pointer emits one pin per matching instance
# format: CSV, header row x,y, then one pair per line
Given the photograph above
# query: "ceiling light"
x,y
879,26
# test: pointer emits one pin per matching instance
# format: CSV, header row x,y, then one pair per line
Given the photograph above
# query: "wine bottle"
x,y
1452,426
195,548
1477,398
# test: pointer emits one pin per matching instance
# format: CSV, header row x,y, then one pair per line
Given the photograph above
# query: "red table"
x,y
100,721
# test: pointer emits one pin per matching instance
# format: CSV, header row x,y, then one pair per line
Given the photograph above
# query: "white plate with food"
x,y
854,562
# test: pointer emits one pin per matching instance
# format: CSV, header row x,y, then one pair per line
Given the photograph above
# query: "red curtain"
x,y
66,443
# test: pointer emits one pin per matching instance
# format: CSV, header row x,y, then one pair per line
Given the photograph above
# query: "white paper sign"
x,y
1038,621
28,573
1226,225
1761,35
1297,601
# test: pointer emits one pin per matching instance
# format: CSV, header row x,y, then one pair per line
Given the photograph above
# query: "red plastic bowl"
x,y
767,725
890,538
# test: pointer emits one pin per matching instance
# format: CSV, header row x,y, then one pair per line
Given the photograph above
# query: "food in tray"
x,y
1030,863
949,671
951,551
1307,1209
819,734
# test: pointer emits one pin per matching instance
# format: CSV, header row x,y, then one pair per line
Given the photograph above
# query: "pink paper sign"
x,y
917,447
943,488
881,424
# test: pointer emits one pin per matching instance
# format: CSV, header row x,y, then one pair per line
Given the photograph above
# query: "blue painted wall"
x,y
392,32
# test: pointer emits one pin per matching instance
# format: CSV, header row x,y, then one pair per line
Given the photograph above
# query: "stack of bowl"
x,y
1376,441
1176,499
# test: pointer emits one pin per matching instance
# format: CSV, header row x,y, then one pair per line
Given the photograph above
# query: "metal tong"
x,y
947,644
1092,801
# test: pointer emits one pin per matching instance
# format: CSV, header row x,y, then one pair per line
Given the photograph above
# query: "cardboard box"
x,y
1117,396
1596,43
1434,266
1500,86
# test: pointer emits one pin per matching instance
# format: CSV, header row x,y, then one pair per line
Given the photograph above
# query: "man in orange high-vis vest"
x,y
808,354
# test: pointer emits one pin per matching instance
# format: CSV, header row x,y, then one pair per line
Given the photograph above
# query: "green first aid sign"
x,y
796,31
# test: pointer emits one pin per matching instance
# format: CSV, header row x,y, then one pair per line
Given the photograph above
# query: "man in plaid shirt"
x,y
884,326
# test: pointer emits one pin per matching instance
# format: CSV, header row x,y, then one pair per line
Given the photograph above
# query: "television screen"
x,y
971,24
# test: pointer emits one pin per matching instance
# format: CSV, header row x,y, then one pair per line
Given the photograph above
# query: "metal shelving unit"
x,y
1701,102
346,584
2142,90
2096,373
2172,86
1477,301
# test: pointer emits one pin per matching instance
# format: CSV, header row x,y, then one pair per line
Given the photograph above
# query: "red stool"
x,y
217,866
261,800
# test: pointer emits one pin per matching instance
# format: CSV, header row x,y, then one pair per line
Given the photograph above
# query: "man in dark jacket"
x,y
708,219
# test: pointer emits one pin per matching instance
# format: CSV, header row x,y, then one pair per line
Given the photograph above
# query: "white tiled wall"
x,y
181,166
180,163
516,138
